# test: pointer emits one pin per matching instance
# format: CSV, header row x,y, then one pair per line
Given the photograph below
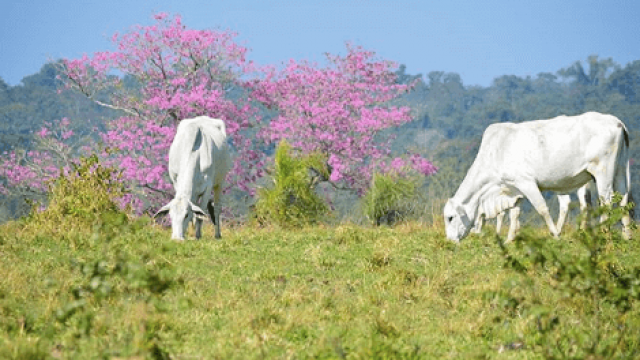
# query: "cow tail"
x,y
632,212
627,163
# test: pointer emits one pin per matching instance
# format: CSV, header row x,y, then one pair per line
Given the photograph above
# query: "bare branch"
x,y
133,112
146,186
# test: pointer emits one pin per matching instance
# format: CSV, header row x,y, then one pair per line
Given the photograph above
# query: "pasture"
x,y
122,289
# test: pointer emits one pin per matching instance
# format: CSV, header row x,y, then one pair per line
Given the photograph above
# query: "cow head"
x,y
456,221
181,211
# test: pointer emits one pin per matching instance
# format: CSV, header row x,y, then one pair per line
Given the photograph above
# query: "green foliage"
x,y
599,295
293,201
89,191
104,300
390,198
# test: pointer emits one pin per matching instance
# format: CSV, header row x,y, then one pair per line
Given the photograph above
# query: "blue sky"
x,y
480,40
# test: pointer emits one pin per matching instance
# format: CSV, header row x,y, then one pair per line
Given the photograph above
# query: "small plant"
x,y
389,198
83,195
292,201
599,292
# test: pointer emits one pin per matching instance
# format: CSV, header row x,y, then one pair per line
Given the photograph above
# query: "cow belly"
x,y
564,184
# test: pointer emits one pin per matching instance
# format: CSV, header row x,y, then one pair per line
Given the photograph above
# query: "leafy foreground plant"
x,y
292,201
597,317
389,198
87,192
105,301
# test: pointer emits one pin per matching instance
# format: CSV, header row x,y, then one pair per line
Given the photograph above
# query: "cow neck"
x,y
491,202
189,170
475,184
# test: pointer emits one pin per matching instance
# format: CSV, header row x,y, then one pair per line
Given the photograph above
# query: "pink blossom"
x,y
337,111
43,132
182,73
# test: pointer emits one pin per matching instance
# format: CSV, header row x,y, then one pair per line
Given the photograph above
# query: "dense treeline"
x,y
443,103
449,117
26,107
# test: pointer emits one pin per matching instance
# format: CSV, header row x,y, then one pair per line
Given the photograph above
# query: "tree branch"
x,y
157,190
128,111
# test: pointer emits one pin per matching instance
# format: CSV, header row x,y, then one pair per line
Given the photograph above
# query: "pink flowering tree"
x,y
340,111
160,74
156,76
28,173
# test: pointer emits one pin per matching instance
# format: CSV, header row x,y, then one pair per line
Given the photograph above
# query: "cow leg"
x,y
604,184
217,191
204,200
499,220
514,225
563,205
614,176
478,226
532,192
198,225
584,197
623,187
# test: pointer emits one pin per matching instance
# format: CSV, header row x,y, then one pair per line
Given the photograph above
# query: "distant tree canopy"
x,y
443,103
25,108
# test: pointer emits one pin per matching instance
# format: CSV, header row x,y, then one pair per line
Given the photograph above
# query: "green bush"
x,y
292,200
89,191
390,198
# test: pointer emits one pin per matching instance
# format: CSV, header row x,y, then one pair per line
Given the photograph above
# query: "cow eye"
x,y
450,219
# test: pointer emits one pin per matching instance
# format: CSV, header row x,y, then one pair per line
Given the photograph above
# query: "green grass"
x,y
124,290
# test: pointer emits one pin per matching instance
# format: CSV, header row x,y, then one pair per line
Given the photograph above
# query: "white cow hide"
x,y
198,164
560,154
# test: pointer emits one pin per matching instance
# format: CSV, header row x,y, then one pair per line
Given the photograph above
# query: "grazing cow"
x,y
198,163
584,196
521,160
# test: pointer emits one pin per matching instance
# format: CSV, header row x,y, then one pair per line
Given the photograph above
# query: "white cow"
x,y
521,160
198,163
584,197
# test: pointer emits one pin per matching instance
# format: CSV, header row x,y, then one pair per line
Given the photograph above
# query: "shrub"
x,y
89,191
293,201
389,198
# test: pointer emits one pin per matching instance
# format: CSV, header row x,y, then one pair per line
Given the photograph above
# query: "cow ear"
x,y
198,212
163,210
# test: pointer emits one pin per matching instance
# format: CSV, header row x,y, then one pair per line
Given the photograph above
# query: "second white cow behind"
x,y
198,164
521,160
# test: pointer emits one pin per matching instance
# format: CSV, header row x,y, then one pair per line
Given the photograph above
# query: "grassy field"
x,y
122,289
